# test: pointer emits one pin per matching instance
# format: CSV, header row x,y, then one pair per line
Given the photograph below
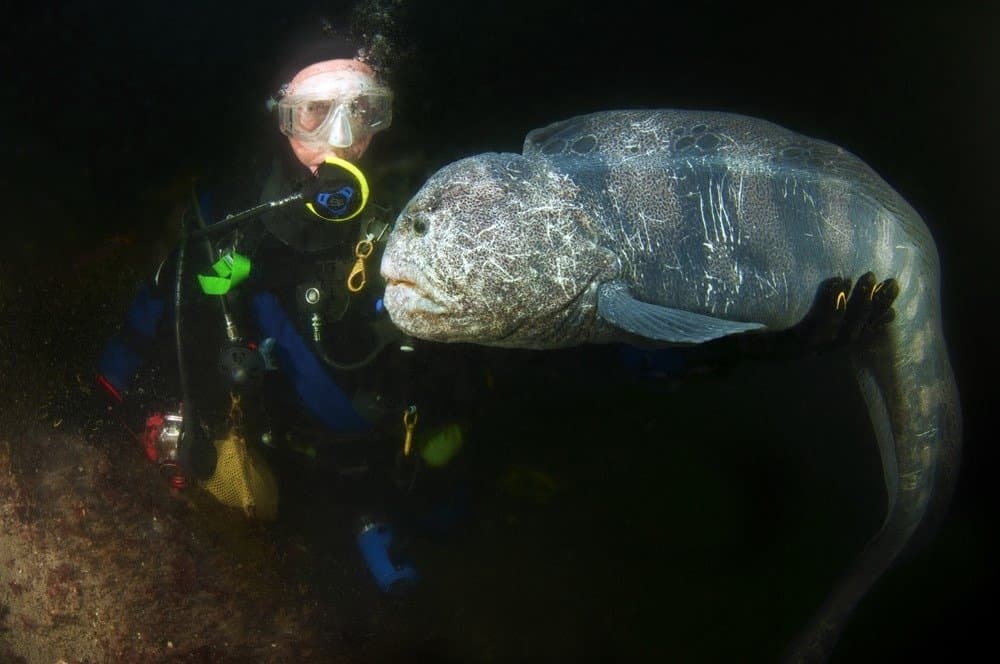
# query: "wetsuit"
x,y
298,280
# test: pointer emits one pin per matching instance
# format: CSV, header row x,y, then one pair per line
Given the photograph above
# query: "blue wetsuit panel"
x,y
120,359
119,363
318,391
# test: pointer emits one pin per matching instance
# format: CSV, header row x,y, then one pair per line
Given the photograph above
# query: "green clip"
x,y
231,270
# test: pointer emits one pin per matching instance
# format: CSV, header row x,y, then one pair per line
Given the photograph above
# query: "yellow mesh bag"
x,y
242,479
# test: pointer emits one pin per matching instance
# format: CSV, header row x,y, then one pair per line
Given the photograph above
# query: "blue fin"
x,y
617,306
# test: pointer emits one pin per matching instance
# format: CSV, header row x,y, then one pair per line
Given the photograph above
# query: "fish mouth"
x,y
403,295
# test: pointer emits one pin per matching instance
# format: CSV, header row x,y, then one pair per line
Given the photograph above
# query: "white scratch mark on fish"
x,y
711,211
725,214
717,220
805,195
677,262
833,226
499,267
704,224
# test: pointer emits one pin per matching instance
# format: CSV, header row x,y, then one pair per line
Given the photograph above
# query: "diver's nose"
x,y
341,135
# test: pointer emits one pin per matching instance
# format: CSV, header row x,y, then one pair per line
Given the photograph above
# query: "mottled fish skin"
x,y
712,213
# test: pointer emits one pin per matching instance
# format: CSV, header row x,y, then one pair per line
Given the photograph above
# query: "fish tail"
x,y
907,382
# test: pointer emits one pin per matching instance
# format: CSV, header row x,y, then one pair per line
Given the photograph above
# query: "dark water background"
x,y
107,106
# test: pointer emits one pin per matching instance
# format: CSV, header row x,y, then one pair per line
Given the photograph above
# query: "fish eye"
x,y
419,226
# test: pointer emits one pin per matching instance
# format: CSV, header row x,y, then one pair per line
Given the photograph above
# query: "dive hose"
x,y
322,353
341,195
192,452
187,438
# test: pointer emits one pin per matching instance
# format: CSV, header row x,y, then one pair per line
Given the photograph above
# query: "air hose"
x,y
202,465
341,195
231,332
187,439
349,366
355,283
236,219
383,330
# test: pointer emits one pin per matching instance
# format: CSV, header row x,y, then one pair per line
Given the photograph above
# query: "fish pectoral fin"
x,y
652,321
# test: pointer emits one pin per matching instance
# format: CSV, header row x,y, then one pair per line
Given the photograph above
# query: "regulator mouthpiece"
x,y
341,191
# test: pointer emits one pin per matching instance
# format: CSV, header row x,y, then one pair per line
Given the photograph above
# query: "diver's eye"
x,y
419,226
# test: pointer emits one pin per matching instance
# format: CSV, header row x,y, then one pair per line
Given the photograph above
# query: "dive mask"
x,y
335,121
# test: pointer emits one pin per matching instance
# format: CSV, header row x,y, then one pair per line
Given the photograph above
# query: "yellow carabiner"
x,y
357,279
410,423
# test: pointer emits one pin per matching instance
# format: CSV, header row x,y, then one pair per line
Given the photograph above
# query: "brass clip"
x,y
235,410
410,422
357,279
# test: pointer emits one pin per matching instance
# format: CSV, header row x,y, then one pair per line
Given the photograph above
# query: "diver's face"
x,y
331,81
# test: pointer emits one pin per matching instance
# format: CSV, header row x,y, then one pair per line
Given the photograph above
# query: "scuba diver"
x,y
262,336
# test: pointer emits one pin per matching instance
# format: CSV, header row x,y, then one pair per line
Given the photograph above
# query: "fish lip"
x,y
425,300
407,282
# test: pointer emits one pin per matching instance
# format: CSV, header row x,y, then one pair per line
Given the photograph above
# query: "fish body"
x,y
674,227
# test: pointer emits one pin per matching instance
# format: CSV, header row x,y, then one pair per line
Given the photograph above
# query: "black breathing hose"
x,y
349,366
187,408
231,332
202,465
236,219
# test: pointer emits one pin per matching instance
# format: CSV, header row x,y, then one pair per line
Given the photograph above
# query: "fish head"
x,y
494,249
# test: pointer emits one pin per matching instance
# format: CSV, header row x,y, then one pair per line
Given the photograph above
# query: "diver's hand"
x,y
869,308
843,315
839,315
